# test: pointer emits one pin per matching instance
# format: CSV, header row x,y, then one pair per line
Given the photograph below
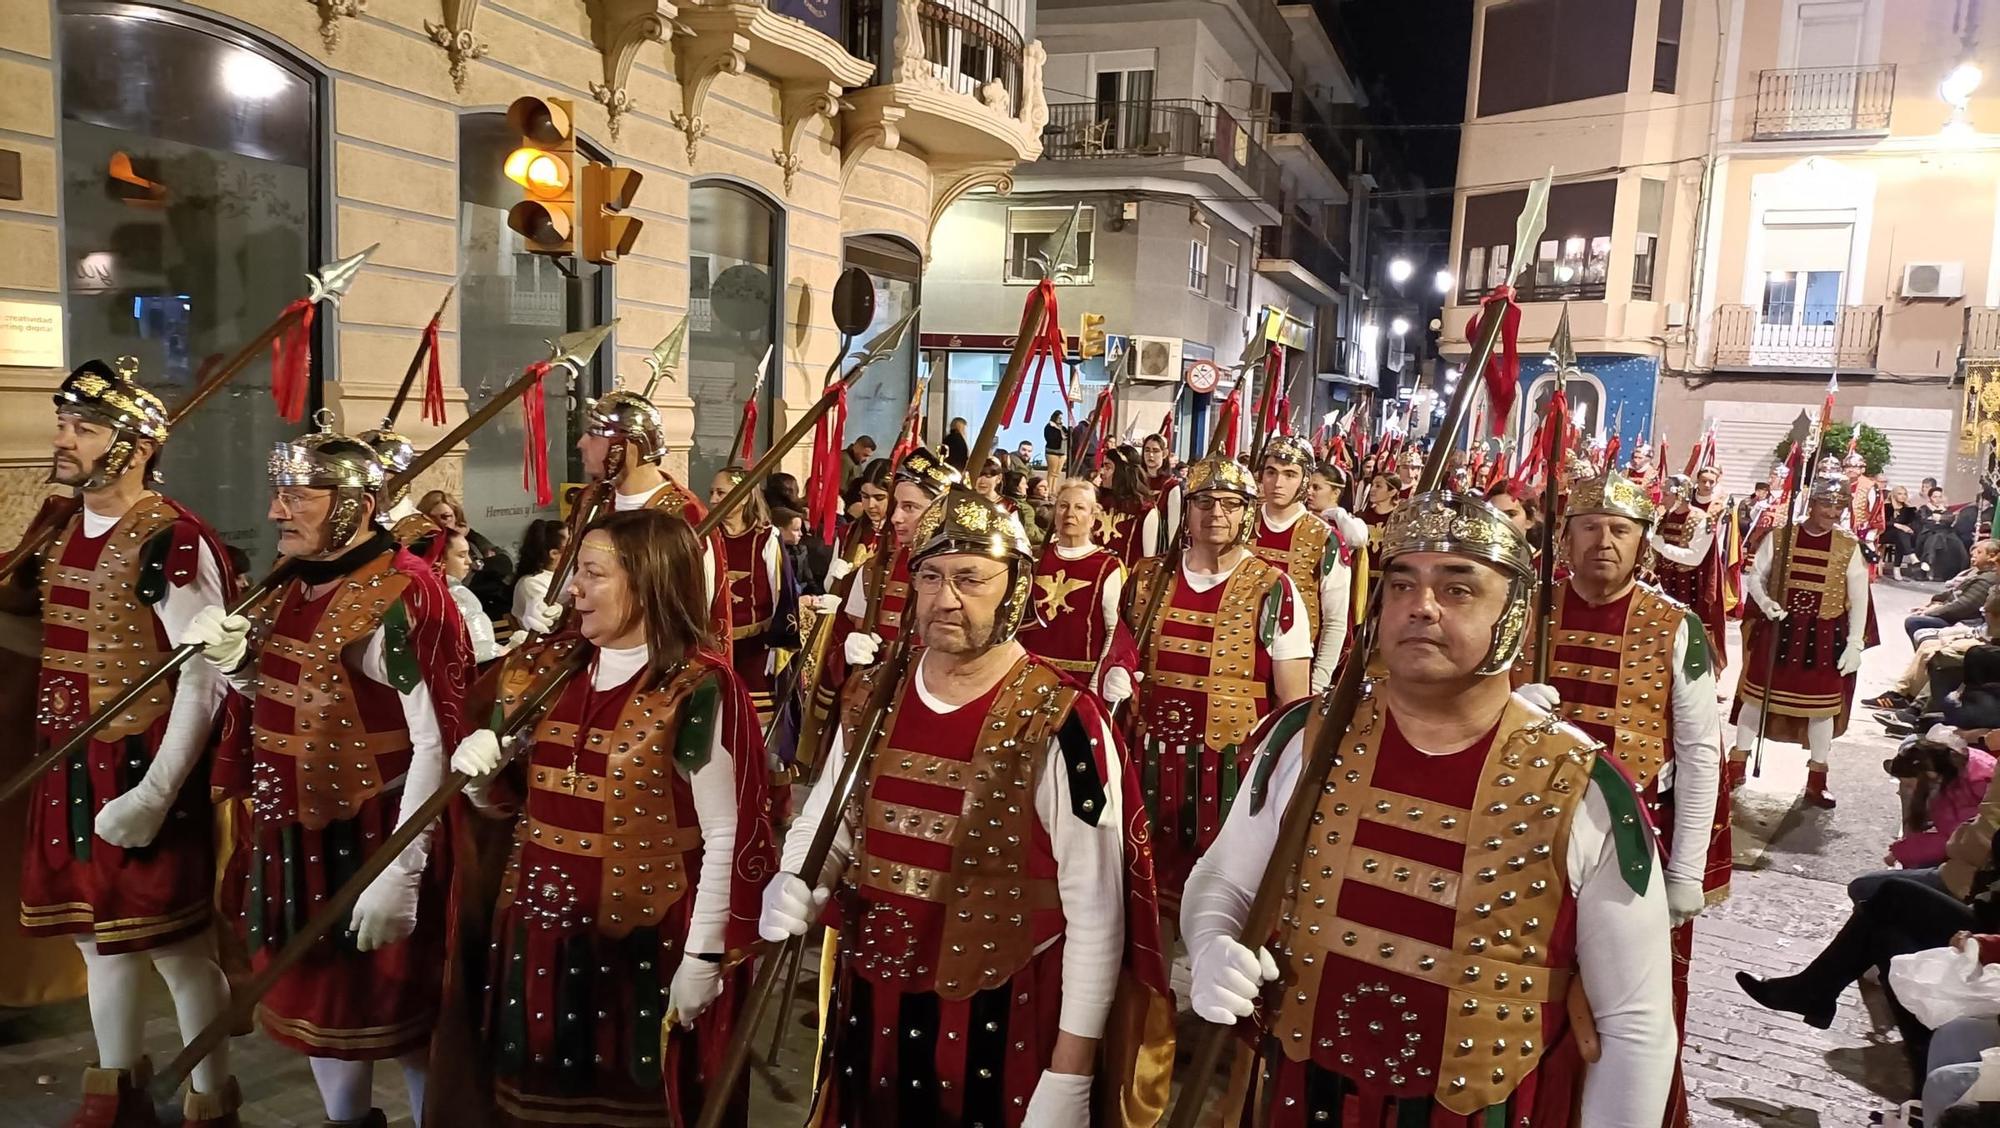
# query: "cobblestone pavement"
x,y
1745,1066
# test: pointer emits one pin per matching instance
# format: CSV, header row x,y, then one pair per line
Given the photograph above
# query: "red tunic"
x,y
1301,552
97,597
331,747
752,604
1378,523
1698,587
1068,626
1806,681
1121,527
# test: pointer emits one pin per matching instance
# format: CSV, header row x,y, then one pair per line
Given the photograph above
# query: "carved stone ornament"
x,y
331,12
454,34
702,59
801,104
882,134
913,64
620,28
1034,102
948,186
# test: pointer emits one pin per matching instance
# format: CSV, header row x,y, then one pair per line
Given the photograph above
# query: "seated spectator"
x,y
1963,597
1940,552
1899,532
1937,667
541,547
1953,1062
1942,782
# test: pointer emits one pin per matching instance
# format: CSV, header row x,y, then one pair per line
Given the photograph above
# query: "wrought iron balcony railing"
x,y
968,44
1160,127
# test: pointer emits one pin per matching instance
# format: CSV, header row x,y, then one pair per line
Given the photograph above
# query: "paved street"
x,y
1745,1066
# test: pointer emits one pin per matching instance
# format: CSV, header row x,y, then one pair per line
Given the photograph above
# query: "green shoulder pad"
x,y
697,736
404,673
1628,825
1697,661
1283,728
152,585
1267,614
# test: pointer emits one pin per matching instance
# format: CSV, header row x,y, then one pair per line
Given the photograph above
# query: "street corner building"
x,y
170,172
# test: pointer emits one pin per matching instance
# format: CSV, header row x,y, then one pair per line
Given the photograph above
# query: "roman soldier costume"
x,y
1208,679
1076,597
642,838
1306,548
1669,744
763,610
117,595
399,514
1865,516
1827,615
958,966
886,584
1436,926
356,690
1689,560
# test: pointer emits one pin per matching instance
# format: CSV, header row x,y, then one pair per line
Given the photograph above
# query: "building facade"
x,y
1742,210
1210,150
182,165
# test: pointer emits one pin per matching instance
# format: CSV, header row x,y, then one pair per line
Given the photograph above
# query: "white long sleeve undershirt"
x,y
1695,772
1697,547
1090,869
1334,586
1756,580
623,502
1623,955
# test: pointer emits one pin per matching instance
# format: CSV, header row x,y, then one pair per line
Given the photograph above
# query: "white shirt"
x,y
1622,947
478,627
531,590
1295,641
1090,868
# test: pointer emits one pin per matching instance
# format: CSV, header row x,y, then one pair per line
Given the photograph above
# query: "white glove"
x,y
1771,608
478,755
387,911
790,907
823,604
1061,1100
133,819
224,638
1117,685
1850,658
1227,978
862,648
838,570
1541,695
697,984
540,618
1685,901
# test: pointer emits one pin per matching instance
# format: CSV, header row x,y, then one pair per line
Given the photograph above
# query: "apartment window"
x,y
1124,97
1805,263
1572,259
1652,193
1028,231
1667,47
1198,263
1232,287
1545,52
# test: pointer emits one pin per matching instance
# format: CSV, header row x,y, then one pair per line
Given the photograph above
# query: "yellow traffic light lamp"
x,y
1090,342
544,165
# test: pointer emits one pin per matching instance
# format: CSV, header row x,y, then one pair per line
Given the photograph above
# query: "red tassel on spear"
x,y
291,356
433,411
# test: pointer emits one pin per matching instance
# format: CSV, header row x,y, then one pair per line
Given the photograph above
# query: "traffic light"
x,y
1091,341
608,191
545,166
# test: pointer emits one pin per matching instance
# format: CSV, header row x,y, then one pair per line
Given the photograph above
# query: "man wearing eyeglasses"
x,y
1229,644
992,869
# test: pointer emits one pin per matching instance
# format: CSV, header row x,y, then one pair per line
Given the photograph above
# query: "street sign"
x,y
1202,376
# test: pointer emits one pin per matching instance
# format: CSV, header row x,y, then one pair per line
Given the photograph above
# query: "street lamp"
x,y
1442,280
1958,86
1400,270
1399,326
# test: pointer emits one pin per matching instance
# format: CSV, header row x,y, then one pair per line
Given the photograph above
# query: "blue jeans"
x,y
1916,623
1865,886
1953,1064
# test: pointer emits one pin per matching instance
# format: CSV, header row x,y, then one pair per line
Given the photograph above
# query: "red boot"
x,y
1738,768
116,1098
213,1110
1816,789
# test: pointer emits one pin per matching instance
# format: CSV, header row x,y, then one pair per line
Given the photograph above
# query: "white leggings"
x,y
347,1088
195,981
1819,734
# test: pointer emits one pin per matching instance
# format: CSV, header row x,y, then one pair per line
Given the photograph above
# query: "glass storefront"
x,y
735,242
879,401
511,302
190,218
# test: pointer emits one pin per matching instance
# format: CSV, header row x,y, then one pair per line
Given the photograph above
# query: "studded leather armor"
x,y
1613,666
1207,675
1298,552
888,581
99,633
1816,581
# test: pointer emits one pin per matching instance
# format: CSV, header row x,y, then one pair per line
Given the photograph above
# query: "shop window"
x,y
1028,231
510,302
735,250
191,188
879,401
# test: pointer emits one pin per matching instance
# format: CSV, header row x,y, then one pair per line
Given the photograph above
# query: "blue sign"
x,y
823,16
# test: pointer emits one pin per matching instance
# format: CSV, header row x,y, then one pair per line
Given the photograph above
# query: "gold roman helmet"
x,y
96,393
396,453
1225,476
1830,487
328,460
1469,526
1854,461
627,415
924,469
1289,450
1614,494
965,522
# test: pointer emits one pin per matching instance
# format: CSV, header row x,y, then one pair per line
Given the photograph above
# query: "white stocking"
x,y
416,1073
115,984
1747,719
346,1088
1819,741
201,993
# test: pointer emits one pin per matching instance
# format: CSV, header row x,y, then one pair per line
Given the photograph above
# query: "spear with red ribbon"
x,y
290,337
1046,343
746,428
1563,350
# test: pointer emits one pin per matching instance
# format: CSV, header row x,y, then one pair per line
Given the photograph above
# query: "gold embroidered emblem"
x,y
1056,590
1109,524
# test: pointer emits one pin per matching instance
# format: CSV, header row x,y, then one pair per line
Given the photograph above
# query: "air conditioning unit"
x,y
1933,280
1156,358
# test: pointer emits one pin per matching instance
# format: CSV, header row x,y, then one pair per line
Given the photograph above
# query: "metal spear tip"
x,y
665,360
1533,220
885,342
1561,347
329,282
1054,257
575,350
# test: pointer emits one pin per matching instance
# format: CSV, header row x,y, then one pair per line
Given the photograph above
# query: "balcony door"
x,y
1829,34
1124,96
1805,274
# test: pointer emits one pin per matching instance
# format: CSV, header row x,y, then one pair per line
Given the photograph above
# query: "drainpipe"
x,y
1723,9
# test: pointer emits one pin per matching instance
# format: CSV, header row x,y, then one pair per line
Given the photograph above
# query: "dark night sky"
x,y
1417,52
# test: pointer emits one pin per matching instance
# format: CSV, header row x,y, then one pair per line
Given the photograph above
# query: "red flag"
x,y
1826,409
1232,406
1503,372
749,428
1049,344
291,356
1167,431
823,499
1611,453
